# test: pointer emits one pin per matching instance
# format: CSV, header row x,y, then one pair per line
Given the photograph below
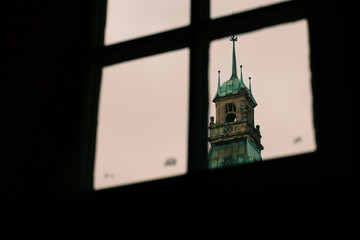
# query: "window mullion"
x,y
145,46
199,58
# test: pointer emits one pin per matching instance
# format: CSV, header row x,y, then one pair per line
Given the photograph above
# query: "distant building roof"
x,y
233,86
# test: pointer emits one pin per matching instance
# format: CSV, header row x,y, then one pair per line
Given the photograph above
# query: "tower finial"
x,y
234,72
250,85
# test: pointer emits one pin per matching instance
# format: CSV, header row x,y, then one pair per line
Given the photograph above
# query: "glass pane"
x,y
279,98
127,19
220,8
143,120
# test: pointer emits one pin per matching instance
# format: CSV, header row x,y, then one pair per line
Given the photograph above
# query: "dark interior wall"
x,y
45,52
334,51
44,55
334,54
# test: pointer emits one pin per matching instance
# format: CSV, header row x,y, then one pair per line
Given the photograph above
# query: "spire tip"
x,y
234,72
233,38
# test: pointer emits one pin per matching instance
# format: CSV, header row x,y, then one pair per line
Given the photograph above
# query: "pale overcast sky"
x,y
143,112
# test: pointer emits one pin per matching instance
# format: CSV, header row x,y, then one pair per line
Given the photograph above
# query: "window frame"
x,y
197,37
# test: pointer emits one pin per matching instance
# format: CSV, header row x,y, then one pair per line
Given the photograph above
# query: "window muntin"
x,y
129,19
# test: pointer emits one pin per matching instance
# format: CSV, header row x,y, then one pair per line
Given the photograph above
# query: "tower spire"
x,y
250,85
218,89
241,77
234,72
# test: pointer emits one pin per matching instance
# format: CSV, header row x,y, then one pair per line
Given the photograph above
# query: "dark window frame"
x,y
197,36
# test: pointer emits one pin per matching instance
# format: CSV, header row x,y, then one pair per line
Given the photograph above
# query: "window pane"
x,y
127,19
220,8
143,120
277,60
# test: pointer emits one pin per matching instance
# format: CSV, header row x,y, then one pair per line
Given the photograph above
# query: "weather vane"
x,y
233,38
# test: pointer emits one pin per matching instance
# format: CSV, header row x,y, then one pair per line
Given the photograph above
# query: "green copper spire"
x,y
250,85
234,85
234,73
241,78
218,89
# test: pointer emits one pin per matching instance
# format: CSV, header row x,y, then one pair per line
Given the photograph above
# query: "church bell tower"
x,y
233,137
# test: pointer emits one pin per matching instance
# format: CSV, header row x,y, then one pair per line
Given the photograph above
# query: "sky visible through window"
x,y
143,120
221,8
128,19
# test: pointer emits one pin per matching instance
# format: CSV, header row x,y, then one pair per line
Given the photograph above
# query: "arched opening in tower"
x,y
231,117
230,108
